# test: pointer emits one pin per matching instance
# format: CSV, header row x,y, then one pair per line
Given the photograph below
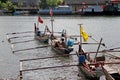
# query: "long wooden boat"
x,y
63,45
91,72
110,73
61,50
42,36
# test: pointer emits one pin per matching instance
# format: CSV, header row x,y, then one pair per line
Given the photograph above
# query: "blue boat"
x,y
20,12
59,10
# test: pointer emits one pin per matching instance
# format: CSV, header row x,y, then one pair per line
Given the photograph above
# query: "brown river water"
x,y
98,27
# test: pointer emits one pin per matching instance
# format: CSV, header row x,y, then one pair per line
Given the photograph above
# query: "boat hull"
x,y
62,50
43,39
110,73
91,75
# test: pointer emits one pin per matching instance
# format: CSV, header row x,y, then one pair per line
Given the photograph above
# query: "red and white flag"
x,y
40,20
51,13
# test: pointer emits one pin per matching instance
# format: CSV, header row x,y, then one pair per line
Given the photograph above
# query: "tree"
x,y
8,6
53,3
43,4
0,4
50,3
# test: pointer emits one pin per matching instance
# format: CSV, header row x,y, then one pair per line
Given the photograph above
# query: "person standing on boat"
x,y
57,44
38,32
63,33
63,42
80,50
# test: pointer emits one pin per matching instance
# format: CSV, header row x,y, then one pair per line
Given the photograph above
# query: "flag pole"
x,y
97,50
37,23
52,23
51,14
80,38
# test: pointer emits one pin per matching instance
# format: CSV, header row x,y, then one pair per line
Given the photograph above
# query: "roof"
x,y
85,1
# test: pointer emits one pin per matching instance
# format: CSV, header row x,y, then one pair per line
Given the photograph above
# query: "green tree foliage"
x,y
53,3
43,4
0,4
8,6
50,3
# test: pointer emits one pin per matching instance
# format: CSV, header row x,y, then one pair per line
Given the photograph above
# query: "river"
x,y
106,27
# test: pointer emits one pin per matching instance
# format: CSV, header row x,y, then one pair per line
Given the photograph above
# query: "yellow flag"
x,y
83,34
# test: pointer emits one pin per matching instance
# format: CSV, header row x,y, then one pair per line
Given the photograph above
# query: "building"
x,y
77,4
26,6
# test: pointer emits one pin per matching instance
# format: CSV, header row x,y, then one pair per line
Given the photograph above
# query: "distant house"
x,y
77,4
26,6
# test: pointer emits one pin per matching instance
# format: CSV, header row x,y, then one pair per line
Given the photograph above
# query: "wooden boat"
x,y
90,68
61,50
42,36
60,46
110,73
94,69
91,72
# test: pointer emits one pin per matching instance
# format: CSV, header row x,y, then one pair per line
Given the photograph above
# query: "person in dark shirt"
x,y
63,43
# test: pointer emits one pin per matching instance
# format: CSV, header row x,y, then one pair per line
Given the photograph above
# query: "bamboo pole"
x,y
104,63
21,71
88,43
64,55
114,48
49,67
97,50
51,14
29,48
20,36
19,32
12,47
110,50
80,45
22,41
8,39
98,42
